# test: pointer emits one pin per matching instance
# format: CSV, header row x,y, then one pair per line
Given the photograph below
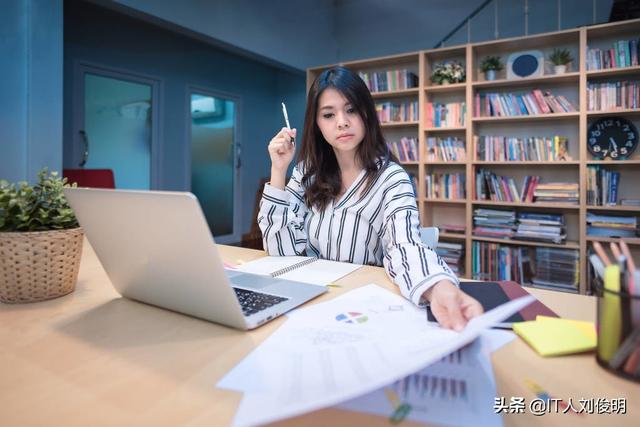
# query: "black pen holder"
x,y
618,326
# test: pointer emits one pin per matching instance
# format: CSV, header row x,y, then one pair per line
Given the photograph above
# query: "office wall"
x,y
298,33
367,28
30,88
110,39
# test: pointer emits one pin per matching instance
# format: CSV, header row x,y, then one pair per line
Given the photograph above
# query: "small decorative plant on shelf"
x,y
445,73
560,58
490,66
40,240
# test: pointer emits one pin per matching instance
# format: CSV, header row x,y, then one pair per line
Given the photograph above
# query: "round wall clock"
x,y
615,137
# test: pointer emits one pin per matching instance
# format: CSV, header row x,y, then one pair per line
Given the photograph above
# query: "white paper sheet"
x,y
335,351
319,272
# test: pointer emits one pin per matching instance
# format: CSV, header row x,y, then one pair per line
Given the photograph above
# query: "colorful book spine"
x,y
613,95
446,149
502,148
522,104
445,186
448,115
394,112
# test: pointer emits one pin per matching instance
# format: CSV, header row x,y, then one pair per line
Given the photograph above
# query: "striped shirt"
x,y
376,227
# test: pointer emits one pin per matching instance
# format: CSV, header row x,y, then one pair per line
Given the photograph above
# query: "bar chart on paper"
x,y
457,390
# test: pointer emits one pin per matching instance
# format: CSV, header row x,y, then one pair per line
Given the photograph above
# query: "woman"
x,y
348,200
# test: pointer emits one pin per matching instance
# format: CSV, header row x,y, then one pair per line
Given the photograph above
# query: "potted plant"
x,y
489,66
445,73
40,240
560,58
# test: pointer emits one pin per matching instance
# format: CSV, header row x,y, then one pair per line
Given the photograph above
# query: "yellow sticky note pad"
x,y
588,328
556,337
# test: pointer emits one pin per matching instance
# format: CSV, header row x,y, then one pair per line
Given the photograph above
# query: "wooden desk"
x,y
92,358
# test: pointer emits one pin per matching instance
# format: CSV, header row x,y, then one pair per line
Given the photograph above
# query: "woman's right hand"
x,y
282,150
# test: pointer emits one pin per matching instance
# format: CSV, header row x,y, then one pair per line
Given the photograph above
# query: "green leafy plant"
x,y
491,63
40,207
560,57
448,72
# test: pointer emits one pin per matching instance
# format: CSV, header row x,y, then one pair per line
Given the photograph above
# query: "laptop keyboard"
x,y
253,302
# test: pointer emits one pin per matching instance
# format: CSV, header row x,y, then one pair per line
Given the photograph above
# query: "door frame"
x,y
80,68
236,234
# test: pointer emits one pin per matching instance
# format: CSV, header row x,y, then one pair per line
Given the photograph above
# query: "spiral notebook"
x,y
299,268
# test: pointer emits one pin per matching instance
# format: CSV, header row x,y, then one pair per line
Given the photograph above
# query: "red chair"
x,y
94,178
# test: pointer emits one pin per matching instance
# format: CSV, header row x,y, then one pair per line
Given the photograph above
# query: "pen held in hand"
x,y
286,121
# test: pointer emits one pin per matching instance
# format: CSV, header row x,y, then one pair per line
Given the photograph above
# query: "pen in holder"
x,y
618,325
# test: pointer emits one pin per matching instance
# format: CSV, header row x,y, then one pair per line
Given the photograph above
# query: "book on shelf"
x,y
520,104
557,192
541,227
630,202
602,186
494,223
384,81
447,115
503,148
611,225
445,186
452,228
414,183
490,186
450,149
453,254
549,268
613,95
623,53
405,150
397,112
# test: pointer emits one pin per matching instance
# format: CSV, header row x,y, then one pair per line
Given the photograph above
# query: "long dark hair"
x,y
321,178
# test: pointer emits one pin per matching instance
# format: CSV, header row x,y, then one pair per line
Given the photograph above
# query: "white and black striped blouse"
x,y
379,227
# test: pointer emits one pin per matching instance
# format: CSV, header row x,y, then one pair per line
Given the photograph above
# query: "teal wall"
x,y
30,87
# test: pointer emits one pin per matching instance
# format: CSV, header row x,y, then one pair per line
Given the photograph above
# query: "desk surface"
x,y
93,358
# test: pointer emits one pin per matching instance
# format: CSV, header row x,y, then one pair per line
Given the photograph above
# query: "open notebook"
x,y
299,268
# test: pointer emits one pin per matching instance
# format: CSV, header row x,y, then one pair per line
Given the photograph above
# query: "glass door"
x,y
115,126
215,161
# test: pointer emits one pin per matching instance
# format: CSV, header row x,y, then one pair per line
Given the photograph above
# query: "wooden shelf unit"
x,y
575,81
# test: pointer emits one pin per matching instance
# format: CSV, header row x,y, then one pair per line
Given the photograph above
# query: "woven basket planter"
x,y
39,265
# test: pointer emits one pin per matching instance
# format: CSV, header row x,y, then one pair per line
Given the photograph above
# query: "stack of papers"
x,y
551,336
335,351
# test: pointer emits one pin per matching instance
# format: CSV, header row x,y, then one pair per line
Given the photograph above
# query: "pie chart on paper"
x,y
351,317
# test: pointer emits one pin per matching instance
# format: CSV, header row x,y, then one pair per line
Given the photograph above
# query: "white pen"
x,y
286,120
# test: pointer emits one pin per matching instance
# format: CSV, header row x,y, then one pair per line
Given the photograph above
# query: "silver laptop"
x,y
156,247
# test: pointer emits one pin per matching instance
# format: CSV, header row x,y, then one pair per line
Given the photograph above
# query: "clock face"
x,y
615,137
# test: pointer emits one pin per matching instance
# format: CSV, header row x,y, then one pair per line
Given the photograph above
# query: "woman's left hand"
x,y
451,307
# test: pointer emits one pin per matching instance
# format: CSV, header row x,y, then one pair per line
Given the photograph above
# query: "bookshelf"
x,y
572,85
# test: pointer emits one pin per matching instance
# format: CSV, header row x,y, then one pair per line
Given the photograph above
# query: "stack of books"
x,y
405,150
624,53
523,104
446,115
445,186
453,255
389,80
389,112
452,228
502,148
450,149
557,269
494,223
602,186
490,186
541,227
557,192
613,95
611,226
